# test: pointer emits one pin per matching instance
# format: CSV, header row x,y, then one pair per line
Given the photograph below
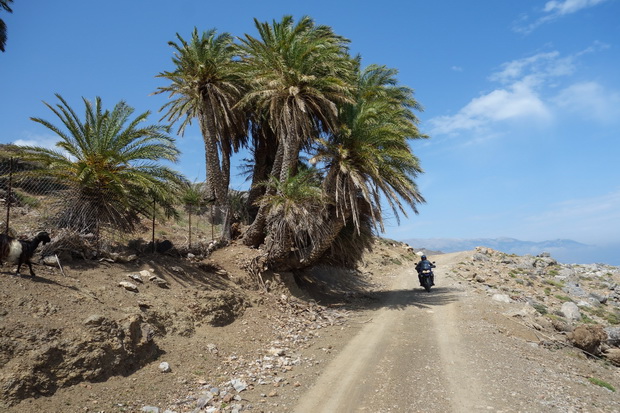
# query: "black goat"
x,y
19,252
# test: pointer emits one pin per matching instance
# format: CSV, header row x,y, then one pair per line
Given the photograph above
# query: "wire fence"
x,y
33,202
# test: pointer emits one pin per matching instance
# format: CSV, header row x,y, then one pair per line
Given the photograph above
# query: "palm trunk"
x,y
317,251
290,157
255,234
264,158
279,248
216,179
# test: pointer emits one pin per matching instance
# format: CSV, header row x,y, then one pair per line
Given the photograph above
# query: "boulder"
x,y
588,338
613,355
613,336
570,311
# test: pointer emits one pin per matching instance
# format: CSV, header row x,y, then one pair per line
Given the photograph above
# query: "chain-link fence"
x,y
32,202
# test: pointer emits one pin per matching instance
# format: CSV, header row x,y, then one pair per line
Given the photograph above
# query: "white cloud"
x,y
555,9
561,8
535,68
46,141
591,101
518,101
528,93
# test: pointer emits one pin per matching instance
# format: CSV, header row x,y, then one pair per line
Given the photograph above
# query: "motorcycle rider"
x,y
424,264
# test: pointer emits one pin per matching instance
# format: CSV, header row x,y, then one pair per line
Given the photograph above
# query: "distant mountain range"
x,y
507,245
564,250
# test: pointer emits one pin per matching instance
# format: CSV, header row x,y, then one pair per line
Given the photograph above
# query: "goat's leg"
x,y
19,265
31,271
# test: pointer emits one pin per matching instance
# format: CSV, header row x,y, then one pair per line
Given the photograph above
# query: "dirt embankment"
x,y
92,336
197,335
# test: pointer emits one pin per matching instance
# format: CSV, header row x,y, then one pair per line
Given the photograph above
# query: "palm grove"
x,y
329,141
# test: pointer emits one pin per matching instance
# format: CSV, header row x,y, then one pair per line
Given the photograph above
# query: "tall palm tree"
x,y
369,159
297,74
206,85
4,5
111,164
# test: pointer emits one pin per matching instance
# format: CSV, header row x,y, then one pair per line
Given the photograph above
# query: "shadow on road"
x,y
401,299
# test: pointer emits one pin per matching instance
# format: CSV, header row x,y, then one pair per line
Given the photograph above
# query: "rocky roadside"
x,y
567,304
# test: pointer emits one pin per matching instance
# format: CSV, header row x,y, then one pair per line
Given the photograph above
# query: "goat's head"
x,y
44,237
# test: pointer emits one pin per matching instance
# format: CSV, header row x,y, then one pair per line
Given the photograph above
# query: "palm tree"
x,y
206,85
297,74
111,163
295,209
369,160
4,5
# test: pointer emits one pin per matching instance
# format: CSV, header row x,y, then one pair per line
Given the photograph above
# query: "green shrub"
x,y
601,383
613,318
587,320
541,308
557,284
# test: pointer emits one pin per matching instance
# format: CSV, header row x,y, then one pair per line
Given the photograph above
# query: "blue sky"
x,y
521,98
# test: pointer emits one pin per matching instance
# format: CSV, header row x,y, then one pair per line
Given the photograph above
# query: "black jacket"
x,y
424,265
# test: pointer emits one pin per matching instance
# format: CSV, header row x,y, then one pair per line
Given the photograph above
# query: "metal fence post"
x,y
8,196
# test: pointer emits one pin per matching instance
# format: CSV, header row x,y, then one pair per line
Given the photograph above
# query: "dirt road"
x,y
449,350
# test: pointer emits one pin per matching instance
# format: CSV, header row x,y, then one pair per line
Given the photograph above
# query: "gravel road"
x,y
452,350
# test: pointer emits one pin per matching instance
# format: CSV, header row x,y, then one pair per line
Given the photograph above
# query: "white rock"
x,y
159,281
502,298
571,311
127,258
164,367
135,277
276,351
239,385
526,311
128,286
50,260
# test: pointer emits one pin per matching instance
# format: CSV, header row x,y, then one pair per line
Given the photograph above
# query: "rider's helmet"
x,y
423,257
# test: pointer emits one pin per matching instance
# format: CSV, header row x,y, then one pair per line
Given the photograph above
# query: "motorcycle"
x,y
427,278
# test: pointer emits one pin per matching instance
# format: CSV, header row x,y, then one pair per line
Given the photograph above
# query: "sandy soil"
x,y
379,344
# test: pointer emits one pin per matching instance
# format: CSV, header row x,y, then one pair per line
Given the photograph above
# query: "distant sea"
x,y
565,251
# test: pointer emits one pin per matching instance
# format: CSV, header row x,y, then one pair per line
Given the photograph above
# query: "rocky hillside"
x,y
568,304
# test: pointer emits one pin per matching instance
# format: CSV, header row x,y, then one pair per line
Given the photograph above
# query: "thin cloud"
x,y
535,68
553,10
585,218
562,8
591,101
